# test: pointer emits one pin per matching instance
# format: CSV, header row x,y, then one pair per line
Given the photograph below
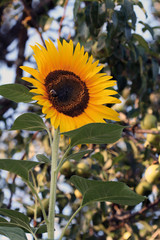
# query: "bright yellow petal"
x,y
33,72
98,113
54,55
39,91
101,86
102,98
67,123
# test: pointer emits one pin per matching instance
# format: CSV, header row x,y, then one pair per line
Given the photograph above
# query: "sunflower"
x,y
70,87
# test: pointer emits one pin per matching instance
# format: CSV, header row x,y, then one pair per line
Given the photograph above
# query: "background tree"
x,y
107,29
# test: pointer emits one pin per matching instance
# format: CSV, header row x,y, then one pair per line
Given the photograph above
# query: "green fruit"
x,y
153,138
149,121
152,173
82,169
66,169
143,188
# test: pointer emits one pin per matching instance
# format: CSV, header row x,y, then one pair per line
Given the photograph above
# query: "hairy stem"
x,y
52,201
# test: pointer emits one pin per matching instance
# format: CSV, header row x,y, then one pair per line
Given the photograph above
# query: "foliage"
x,y
107,31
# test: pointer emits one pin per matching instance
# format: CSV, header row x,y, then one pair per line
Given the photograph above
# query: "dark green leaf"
x,y
16,92
141,41
155,68
109,4
13,233
3,220
128,34
99,157
77,156
19,167
30,122
133,113
128,8
97,133
17,219
140,4
116,192
41,229
134,19
76,7
94,13
42,158
147,27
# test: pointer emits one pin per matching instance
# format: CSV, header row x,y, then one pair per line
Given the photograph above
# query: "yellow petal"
x,y
98,113
33,72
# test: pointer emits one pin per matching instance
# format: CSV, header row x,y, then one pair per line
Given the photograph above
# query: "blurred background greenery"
x,y
108,31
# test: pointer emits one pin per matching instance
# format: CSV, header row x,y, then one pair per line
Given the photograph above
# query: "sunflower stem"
x,y
54,172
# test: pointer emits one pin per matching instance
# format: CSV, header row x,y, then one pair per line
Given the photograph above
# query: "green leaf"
x,y
14,214
19,167
97,133
147,27
109,4
16,92
41,229
13,233
76,7
78,156
116,192
142,8
99,157
94,13
30,122
141,41
128,8
3,220
17,219
42,158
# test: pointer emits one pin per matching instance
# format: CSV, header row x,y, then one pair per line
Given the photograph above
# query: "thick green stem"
x,y
52,200
77,211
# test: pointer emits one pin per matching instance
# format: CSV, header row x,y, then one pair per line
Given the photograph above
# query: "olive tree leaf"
x,y
116,192
30,122
16,92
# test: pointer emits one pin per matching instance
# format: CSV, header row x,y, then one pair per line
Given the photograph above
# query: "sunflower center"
x,y
67,92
